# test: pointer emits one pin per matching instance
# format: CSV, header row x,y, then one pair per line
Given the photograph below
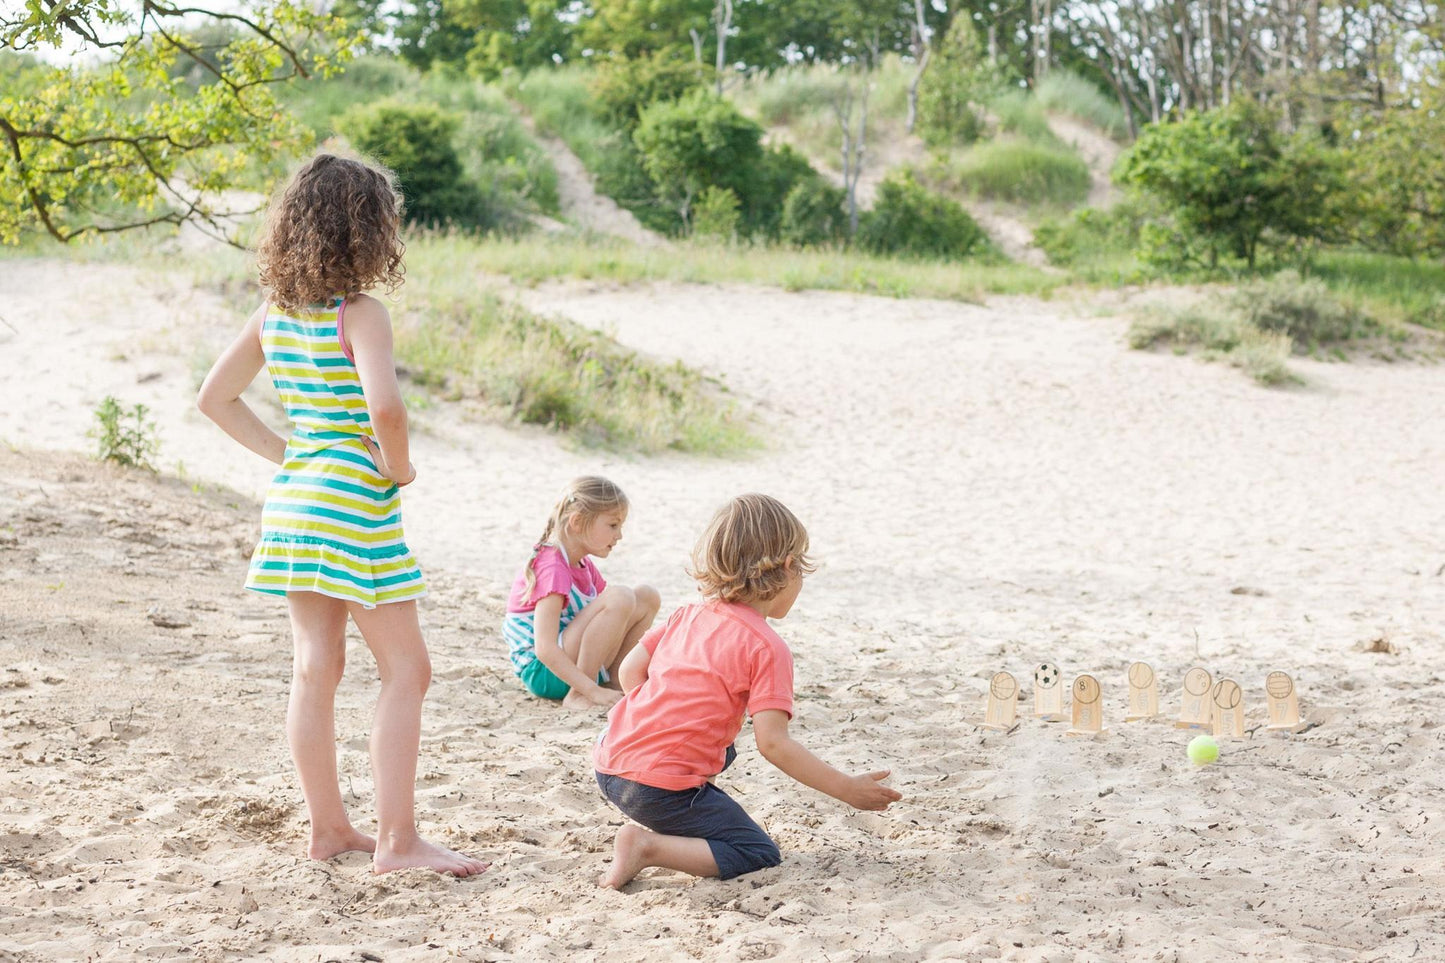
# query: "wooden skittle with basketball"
x,y
1003,701
1143,693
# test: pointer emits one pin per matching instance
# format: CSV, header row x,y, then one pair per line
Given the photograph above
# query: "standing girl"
x,y
567,629
331,535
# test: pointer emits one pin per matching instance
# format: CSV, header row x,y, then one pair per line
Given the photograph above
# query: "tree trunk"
x,y
922,50
723,15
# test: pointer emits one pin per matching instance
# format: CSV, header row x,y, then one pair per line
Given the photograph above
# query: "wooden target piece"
x,y
1194,712
1003,702
1283,703
1143,693
1048,692
1228,699
1088,706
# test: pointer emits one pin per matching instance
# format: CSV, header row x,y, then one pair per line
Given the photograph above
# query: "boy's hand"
x,y
868,792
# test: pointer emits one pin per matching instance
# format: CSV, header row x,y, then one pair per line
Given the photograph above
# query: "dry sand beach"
x,y
986,486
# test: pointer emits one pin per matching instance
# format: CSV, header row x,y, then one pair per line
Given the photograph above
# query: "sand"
x,y
987,486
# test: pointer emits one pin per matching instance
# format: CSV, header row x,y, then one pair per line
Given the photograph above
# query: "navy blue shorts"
x,y
738,844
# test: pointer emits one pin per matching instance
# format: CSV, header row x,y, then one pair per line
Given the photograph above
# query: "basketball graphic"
x,y
1003,687
1140,675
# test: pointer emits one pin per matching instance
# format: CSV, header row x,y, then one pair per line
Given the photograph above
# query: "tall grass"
x,y
1020,113
1015,171
1396,288
534,259
1065,92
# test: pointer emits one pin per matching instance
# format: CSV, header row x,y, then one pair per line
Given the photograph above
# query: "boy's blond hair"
x,y
742,554
585,498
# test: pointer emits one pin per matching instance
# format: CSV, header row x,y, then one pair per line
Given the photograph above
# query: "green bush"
x,y
910,220
696,142
415,141
126,436
1228,176
1020,113
623,88
1302,308
1021,173
813,214
764,189
957,81
716,214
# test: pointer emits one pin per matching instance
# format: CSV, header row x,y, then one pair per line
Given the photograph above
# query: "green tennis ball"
x,y
1203,750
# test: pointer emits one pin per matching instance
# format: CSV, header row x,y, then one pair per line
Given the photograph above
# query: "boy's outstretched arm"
x,y
864,791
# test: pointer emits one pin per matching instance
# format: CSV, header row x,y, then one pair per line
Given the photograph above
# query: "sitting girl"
x,y
688,685
567,629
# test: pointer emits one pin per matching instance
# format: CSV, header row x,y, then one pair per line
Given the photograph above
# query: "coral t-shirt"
x,y
711,663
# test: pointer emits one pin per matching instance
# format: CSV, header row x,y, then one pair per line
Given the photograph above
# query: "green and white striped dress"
x,y
332,523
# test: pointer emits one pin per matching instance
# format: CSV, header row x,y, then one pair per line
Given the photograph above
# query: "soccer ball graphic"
x,y
1046,675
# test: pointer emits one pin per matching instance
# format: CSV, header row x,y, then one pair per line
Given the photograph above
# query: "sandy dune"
x,y
987,486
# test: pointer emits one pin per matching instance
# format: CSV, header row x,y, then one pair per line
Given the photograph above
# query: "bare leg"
x,y
393,634
595,635
638,848
644,610
318,625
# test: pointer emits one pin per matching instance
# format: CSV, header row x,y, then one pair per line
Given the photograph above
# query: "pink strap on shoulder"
x,y
341,331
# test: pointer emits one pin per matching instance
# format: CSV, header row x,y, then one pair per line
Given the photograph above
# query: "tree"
x,y
129,142
696,142
1229,175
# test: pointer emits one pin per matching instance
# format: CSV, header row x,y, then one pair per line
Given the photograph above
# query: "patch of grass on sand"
x,y
1390,287
470,343
1260,324
537,258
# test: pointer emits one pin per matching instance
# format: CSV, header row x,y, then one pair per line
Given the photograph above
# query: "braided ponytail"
x,y
583,500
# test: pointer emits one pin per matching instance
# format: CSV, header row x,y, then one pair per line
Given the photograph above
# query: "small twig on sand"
x,y
9,325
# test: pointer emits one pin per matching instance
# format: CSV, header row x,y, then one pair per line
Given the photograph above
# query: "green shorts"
x,y
541,682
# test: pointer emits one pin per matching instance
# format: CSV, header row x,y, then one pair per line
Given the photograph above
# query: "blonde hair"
x,y
742,555
335,229
584,499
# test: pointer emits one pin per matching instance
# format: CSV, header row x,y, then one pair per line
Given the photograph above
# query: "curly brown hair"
x,y
744,554
335,230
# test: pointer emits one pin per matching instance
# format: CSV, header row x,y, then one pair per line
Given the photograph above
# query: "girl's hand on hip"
x,y
402,479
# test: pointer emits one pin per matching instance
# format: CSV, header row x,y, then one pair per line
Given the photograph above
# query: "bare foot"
x,y
604,699
629,857
424,855
349,840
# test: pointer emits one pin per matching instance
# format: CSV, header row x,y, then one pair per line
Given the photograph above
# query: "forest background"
x,y
1271,151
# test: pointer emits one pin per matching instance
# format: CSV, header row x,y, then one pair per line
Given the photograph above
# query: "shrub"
x,y
125,436
1091,232
1302,308
908,219
698,141
765,186
813,214
623,88
958,79
1228,175
716,214
416,142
